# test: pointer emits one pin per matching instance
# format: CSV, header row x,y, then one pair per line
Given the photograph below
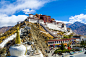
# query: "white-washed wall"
x,y
77,39
54,32
59,25
33,20
65,28
41,21
56,27
52,26
31,16
71,31
68,33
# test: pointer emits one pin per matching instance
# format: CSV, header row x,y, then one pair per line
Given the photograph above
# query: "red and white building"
x,y
57,42
51,23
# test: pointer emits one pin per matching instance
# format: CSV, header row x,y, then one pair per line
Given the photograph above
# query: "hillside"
x,y
34,35
78,27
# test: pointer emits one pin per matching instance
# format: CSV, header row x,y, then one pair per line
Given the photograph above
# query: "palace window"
x,y
61,41
57,41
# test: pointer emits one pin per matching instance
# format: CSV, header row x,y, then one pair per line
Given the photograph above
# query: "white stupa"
x,y
18,50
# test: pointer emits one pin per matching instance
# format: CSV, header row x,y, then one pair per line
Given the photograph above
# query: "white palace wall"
x,y
50,25
33,20
41,21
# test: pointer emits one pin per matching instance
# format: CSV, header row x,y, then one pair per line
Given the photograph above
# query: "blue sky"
x,y
67,11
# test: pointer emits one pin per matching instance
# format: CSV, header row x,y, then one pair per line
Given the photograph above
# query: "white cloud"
x,y
80,18
28,11
11,20
20,5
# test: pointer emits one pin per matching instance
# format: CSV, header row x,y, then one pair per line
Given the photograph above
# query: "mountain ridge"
x,y
4,29
78,28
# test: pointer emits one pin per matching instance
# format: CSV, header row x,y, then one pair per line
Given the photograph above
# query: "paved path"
x,y
78,55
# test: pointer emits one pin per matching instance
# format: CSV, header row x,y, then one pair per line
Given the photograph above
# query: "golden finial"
x,y
18,41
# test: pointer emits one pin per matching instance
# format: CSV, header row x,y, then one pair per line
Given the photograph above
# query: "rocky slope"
x,y
35,35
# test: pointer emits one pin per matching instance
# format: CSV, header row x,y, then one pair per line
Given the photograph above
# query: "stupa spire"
x,y
18,40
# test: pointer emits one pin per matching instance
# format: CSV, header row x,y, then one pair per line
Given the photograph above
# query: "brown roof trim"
x,y
42,15
48,22
35,19
40,19
30,18
30,14
62,39
60,22
53,21
68,28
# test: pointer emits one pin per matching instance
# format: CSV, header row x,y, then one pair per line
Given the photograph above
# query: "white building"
x,y
57,42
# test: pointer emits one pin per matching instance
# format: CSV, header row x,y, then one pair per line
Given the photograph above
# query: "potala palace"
x,y
49,22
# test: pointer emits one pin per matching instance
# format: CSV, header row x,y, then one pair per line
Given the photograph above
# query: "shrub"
x,y
62,47
61,51
65,36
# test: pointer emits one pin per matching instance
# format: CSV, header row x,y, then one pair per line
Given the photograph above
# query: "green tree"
x,y
62,47
68,45
82,43
70,36
65,36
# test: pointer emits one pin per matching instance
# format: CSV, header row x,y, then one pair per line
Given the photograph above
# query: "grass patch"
x,y
61,51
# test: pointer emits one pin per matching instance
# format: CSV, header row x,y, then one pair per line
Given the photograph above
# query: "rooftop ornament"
x,y
18,40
